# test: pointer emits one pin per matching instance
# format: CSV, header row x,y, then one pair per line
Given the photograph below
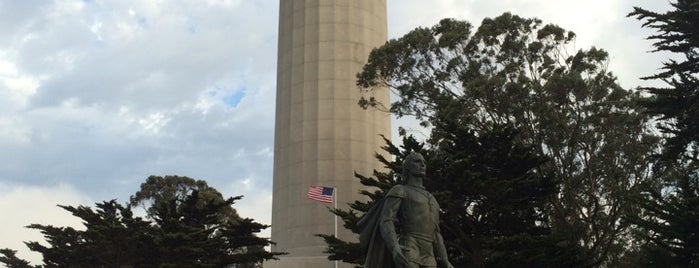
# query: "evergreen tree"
x,y
112,237
492,201
159,190
669,217
10,259
668,224
187,229
678,103
517,85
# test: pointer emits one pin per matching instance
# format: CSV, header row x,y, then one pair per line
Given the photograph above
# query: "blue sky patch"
x,y
234,98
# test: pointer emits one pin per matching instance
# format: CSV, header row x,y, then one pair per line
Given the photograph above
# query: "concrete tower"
x,y
321,136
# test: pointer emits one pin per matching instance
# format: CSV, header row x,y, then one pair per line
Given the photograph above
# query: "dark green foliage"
x,y
112,236
668,220
10,259
190,227
191,234
668,224
517,84
157,189
678,104
492,200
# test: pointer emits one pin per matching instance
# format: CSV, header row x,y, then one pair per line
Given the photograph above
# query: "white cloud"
x,y
7,68
15,88
154,122
20,89
225,3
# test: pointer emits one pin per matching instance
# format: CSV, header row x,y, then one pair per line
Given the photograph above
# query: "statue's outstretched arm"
x,y
389,215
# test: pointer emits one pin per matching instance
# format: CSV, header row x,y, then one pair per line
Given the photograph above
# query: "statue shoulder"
x,y
397,191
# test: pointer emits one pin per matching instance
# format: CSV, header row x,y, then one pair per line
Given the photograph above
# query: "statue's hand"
x,y
398,258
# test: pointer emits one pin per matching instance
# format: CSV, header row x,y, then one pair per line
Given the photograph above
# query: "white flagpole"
x,y
335,207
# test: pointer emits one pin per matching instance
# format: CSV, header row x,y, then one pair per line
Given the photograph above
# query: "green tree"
x,y
186,229
677,105
165,197
10,259
492,200
192,234
669,218
112,237
158,190
519,74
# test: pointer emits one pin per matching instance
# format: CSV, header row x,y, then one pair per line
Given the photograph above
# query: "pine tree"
x,y
668,219
677,105
492,200
10,259
188,227
668,222
112,236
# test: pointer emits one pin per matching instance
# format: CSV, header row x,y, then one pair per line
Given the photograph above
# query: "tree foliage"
x,y
10,259
112,235
186,229
160,190
491,199
522,81
668,221
678,103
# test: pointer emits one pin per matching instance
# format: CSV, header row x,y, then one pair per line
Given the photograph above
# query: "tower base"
x,y
305,262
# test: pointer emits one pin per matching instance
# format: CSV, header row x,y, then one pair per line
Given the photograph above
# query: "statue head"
x,y
413,166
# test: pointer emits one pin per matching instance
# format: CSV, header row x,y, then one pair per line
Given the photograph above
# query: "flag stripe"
x,y
320,193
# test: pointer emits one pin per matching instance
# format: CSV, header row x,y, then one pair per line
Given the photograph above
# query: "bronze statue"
x,y
418,242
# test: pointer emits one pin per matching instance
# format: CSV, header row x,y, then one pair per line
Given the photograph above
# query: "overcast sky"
x,y
95,96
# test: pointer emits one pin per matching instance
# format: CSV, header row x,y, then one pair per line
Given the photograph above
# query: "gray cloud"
x,y
116,91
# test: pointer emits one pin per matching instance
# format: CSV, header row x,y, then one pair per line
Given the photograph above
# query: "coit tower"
x,y
322,137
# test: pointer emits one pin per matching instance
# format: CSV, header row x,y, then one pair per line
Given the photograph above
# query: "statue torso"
x,y
419,212
418,220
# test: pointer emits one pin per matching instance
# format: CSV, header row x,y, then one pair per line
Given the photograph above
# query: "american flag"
x,y
320,193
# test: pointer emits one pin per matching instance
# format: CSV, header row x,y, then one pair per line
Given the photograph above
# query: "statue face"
x,y
416,165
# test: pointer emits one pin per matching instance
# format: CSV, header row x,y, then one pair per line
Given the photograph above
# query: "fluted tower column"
x,y
321,136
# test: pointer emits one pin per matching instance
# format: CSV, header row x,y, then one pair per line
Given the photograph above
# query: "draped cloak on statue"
x,y
371,241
